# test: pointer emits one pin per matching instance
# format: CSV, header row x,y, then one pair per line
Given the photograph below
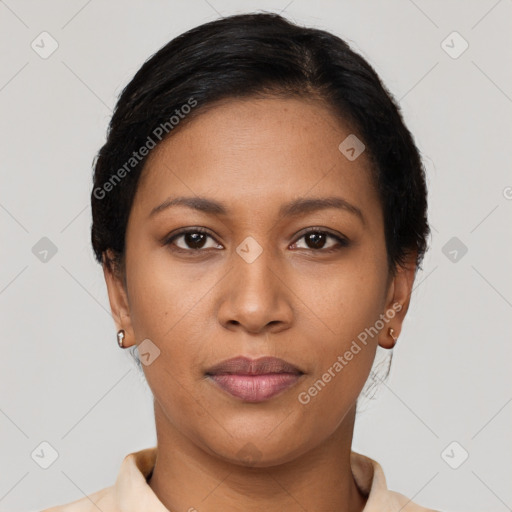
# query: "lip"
x,y
254,380
242,365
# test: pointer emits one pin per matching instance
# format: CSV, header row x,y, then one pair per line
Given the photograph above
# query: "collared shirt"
x,y
131,492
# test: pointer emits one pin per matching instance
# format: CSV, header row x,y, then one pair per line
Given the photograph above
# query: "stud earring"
x,y
391,332
120,338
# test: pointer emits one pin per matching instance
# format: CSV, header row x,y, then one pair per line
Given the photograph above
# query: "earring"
x,y
391,332
120,338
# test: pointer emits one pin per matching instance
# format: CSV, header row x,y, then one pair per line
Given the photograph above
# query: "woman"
x,y
259,210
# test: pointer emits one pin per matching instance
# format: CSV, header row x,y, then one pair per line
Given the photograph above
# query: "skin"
x,y
295,301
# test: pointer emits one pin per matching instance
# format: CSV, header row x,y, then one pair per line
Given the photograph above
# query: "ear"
x,y
118,298
397,301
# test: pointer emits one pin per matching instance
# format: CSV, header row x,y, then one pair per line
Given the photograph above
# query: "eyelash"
x,y
342,242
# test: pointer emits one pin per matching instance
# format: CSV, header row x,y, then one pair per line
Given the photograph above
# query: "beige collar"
x,y
133,494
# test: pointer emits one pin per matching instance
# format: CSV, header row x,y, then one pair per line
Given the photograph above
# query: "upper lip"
x,y
246,366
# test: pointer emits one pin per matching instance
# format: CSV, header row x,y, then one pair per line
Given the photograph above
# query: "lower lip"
x,y
255,388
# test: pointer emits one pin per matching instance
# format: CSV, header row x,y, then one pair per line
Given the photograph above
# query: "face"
x,y
284,257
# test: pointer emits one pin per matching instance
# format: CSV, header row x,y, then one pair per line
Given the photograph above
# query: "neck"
x,y
186,477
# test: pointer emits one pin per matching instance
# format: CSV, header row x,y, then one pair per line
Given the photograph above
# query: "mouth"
x,y
254,380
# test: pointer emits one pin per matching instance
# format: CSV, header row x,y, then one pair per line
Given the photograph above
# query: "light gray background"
x,y
63,378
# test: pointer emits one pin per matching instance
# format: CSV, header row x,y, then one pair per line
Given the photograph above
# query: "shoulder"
x,y
369,477
130,489
406,505
102,500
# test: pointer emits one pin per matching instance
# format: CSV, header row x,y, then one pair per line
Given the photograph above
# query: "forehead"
x,y
256,153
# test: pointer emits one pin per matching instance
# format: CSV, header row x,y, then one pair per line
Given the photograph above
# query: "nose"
x,y
255,296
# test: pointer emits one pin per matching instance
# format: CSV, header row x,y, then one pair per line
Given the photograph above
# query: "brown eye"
x,y
316,240
194,240
191,240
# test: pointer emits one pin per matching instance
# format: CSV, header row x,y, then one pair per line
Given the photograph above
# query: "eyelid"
x,y
319,229
168,239
341,239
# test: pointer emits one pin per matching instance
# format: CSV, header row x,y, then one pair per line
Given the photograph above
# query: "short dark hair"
x,y
259,55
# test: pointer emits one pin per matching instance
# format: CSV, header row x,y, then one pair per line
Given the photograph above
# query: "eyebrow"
x,y
294,208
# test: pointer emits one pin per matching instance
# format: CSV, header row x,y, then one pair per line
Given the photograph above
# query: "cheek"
x,y
170,309
343,355
348,297
327,397
164,296
347,302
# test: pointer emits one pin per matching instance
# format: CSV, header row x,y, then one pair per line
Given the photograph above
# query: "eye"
x,y
195,239
192,240
316,239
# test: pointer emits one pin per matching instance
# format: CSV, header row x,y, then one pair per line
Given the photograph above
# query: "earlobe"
x,y
390,339
397,303
118,299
